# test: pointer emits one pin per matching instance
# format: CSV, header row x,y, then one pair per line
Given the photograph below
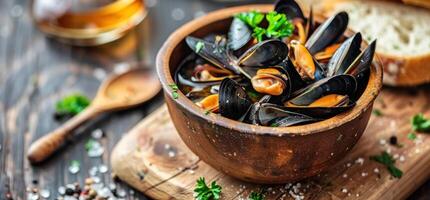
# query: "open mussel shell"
x,y
239,34
322,112
250,116
212,52
263,54
233,99
340,84
345,55
274,115
327,33
363,61
290,8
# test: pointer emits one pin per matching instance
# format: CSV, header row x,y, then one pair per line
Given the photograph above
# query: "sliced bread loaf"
x,y
403,34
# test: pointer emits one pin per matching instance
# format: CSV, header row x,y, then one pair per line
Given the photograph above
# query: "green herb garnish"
x,y
199,46
420,123
253,18
377,112
89,144
71,105
387,160
174,89
203,192
412,136
75,163
207,112
256,196
279,26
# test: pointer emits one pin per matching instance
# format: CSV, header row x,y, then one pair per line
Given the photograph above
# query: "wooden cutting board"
x,y
153,159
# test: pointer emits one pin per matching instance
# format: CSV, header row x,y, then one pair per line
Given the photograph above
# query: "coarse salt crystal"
x,y
344,190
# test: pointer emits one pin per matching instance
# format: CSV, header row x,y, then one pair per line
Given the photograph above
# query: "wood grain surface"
x,y
36,71
153,159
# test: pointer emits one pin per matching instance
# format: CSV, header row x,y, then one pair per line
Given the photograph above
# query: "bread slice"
x,y
403,34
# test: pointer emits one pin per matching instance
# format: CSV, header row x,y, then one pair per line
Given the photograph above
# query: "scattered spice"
x,y
387,160
71,105
412,136
377,112
420,123
203,192
256,196
174,89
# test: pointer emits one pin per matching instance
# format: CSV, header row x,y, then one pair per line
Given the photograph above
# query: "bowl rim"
x,y
165,75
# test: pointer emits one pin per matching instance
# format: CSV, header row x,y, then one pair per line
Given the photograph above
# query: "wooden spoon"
x,y
117,92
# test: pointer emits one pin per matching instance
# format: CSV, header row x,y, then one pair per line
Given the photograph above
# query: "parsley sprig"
x,y
420,123
256,196
387,160
204,192
71,105
278,24
174,89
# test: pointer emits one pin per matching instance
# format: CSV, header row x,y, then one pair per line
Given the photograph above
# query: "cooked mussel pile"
x,y
277,69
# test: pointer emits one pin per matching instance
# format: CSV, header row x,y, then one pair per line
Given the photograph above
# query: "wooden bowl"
x,y
256,153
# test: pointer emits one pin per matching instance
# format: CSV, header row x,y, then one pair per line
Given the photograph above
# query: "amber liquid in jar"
x,y
87,22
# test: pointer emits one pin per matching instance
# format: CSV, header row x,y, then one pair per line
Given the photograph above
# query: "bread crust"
x,y
398,70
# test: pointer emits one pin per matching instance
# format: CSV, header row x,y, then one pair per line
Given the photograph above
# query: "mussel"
x,y
340,85
274,115
304,62
344,55
233,99
263,54
269,81
290,8
238,35
327,33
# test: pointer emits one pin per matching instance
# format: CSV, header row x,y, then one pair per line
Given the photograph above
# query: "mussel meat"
x,y
304,62
269,81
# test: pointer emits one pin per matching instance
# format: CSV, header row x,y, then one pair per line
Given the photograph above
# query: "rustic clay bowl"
x,y
255,153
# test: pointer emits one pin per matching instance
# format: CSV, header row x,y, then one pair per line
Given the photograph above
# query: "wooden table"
x,y
36,71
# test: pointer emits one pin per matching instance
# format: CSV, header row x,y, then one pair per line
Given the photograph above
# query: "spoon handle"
x,y
45,146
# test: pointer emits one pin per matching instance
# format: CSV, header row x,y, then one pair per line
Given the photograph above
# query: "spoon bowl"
x,y
118,92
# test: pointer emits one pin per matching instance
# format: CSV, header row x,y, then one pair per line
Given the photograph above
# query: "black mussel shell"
x,y
292,79
310,24
327,33
344,55
322,112
290,8
233,99
276,116
363,61
213,53
264,54
239,34
340,84
251,114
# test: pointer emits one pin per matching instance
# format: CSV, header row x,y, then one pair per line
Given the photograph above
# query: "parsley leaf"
x,y
377,112
89,144
175,89
412,136
256,196
387,160
279,25
71,105
253,18
420,123
203,192
199,46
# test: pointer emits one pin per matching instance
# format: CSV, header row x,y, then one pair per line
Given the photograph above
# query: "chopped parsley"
x,y
71,105
377,112
387,160
174,89
89,144
75,163
256,196
204,192
207,112
278,24
412,136
199,46
420,123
